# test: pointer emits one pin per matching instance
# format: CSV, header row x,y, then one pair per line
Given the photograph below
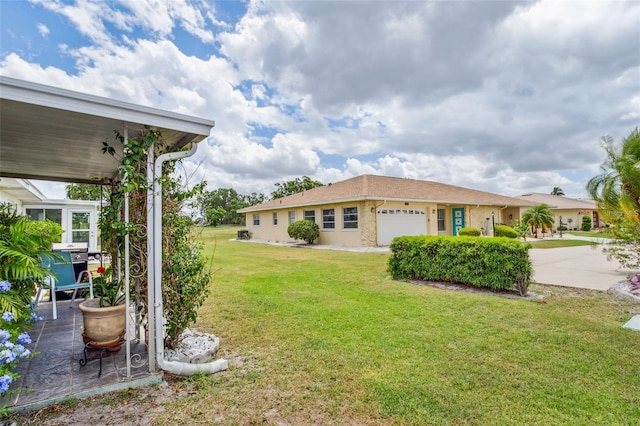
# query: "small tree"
x,y
305,230
586,223
537,217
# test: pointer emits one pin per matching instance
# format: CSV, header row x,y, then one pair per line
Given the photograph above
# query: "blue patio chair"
x,y
63,278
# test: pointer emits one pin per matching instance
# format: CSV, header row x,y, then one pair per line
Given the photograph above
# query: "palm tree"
x,y
617,189
557,191
538,217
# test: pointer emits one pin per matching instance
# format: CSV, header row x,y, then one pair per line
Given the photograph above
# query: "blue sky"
x,y
508,97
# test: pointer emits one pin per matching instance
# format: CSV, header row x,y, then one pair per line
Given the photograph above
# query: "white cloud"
x,y
508,97
43,30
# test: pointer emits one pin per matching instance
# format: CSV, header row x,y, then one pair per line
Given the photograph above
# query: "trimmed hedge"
x,y
496,263
469,232
505,231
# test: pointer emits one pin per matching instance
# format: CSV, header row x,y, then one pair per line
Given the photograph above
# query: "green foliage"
x,y
294,186
617,189
617,193
538,217
220,207
185,273
22,241
625,244
87,191
505,231
469,232
497,263
522,228
305,230
557,191
586,223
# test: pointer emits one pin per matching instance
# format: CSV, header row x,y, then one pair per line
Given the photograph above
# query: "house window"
x,y
275,218
54,215
328,218
441,220
310,215
350,218
256,220
292,217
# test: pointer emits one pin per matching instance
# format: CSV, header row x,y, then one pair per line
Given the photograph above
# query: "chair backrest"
x,y
62,271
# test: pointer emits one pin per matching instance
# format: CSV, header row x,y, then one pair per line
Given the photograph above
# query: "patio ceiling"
x,y
49,133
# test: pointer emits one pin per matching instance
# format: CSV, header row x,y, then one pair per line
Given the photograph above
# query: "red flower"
x,y
100,270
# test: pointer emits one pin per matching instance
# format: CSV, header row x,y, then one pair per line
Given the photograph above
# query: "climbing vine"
x,y
185,271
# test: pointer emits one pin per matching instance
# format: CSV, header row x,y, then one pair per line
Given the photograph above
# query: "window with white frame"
x,y
275,218
292,216
350,218
310,215
441,220
54,215
328,219
256,220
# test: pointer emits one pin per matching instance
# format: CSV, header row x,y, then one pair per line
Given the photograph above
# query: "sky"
x,y
509,97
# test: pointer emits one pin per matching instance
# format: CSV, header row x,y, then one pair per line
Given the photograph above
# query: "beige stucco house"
x,y
572,210
368,211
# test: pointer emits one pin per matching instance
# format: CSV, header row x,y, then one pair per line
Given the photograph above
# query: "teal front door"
x,y
458,219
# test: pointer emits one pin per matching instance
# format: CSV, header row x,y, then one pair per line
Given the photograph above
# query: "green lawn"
x,y
559,242
325,337
594,234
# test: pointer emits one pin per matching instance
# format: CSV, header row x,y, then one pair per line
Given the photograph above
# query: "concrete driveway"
x,y
582,267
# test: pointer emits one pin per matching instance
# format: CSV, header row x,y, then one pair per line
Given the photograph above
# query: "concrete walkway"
x,y
582,267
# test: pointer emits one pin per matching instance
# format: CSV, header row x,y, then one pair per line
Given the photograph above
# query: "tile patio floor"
x,y
55,373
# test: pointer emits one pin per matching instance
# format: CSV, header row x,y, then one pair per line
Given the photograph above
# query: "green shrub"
x,y
305,230
469,232
505,231
497,263
562,228
586,223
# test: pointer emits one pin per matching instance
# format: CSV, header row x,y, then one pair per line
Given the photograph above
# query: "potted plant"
x,y
104,315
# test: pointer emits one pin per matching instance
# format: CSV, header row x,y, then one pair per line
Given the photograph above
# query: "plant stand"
x,y
91,345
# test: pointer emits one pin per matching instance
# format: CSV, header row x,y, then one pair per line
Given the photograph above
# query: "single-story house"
x,y
369,211
78,218
572,210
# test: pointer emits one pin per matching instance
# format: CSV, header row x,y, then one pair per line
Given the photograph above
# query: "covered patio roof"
x,y
55,134
48,133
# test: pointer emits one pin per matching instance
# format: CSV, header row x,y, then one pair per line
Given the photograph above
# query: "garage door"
x,y
398,222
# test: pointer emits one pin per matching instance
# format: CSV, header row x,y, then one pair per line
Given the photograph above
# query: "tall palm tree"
x,y
538,217
617,189
557,191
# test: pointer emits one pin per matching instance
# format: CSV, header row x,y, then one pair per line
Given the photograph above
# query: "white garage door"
x,y
398,222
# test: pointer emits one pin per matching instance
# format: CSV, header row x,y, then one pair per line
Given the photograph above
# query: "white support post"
x,y
151,322
126,268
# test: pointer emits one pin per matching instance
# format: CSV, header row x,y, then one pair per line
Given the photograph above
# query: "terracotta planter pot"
x,y
103,326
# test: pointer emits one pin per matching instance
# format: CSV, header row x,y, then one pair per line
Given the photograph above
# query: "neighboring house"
x,y
571,210
78,218
368,211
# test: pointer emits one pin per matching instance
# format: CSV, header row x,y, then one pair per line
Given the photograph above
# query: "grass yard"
x,y
559,242
324,337
594,234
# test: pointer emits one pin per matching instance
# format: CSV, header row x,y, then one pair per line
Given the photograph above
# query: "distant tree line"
x,y
217,207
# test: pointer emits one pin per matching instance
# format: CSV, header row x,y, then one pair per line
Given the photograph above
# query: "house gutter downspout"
x,y
175,367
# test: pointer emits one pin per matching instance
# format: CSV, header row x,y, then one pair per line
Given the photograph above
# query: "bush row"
x,y
496,263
